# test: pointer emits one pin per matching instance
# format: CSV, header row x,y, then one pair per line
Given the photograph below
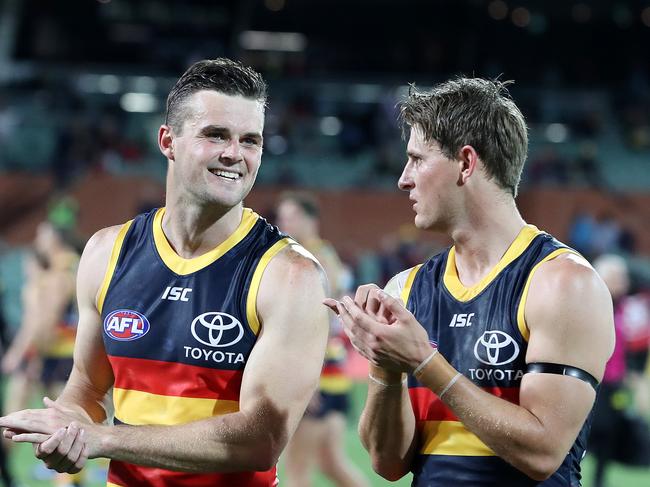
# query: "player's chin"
x,y
421,222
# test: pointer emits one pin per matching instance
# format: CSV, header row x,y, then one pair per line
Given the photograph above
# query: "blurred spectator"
x,y
582,231
548,168
611,438
585,168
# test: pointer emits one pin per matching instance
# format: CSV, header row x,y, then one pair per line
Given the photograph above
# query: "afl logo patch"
x,y
126,325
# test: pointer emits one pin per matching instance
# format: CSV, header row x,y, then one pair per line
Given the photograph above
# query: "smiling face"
x,y
432,181
215,157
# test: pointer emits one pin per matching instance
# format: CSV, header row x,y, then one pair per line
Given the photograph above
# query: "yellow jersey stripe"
x,y
115,253
521,308
251,299
182,266
335,385
451,438
138,408
462,293
406,291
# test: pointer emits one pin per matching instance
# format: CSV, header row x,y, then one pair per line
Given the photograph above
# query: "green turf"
x,y
23,462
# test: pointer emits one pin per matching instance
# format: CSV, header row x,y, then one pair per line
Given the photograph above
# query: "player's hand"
x,y
382,330
65,451
45,421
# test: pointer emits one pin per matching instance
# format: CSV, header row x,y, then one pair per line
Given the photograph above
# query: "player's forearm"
x,y
84,399
228,443
387,426
513,432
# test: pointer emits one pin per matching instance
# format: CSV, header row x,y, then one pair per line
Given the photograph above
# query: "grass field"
x,y
618,476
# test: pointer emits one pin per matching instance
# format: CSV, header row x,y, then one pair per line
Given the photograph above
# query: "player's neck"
x,y
193,231
484,237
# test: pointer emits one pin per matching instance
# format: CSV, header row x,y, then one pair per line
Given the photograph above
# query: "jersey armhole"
x,y
521,307
251,299
399,287
112,263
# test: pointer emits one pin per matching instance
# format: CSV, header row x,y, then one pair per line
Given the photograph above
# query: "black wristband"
x,y
561,369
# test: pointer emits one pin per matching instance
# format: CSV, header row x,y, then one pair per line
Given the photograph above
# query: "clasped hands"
x,y
59,435
382,330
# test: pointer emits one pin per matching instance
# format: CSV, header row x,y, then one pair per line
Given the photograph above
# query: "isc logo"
x,y
126,325
461,319
176,293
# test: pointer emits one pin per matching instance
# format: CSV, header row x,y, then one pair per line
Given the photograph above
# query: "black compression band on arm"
x,y
561,369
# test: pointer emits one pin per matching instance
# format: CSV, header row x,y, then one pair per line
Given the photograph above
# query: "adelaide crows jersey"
x,y
482,332
178,333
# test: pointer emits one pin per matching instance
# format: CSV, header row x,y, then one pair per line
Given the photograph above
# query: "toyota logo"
x,y
216,329
496,348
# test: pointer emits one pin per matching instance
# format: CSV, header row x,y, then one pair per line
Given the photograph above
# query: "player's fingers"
x,y
395,306
49,446
81,461
331,304
361,296
69,458
361,319
351,330
68,440
29,438
77,448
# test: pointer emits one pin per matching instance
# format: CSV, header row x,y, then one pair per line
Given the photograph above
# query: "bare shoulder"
x,y
94,260
294,278
570,315
296,263
569,276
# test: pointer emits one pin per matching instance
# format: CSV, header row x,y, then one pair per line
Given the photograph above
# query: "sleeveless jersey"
x,y
481,331
178,333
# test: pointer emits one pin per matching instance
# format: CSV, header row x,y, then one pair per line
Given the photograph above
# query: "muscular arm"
x,y
569,315
387,423
91,377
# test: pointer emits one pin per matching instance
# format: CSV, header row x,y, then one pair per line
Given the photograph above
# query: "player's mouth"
x,y
226,174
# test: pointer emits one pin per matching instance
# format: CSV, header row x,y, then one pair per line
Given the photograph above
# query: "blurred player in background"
x,y
45,340
320,437
504,336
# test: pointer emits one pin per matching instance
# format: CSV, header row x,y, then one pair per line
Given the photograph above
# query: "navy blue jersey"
x,y
482,332
178,333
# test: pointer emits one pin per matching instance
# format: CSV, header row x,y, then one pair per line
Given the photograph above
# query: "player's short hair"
x,y
305,201
477,112
223,75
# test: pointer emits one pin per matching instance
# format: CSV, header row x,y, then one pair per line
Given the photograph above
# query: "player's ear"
x,y
165,141
467,161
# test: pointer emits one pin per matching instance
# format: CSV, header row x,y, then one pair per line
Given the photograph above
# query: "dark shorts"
x,y
330,403
56,370
636,361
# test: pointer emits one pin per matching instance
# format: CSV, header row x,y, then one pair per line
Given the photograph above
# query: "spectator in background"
x,y
320,436
608,430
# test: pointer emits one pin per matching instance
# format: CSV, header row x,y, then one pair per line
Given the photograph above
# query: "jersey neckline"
x,y
183,266
464,293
